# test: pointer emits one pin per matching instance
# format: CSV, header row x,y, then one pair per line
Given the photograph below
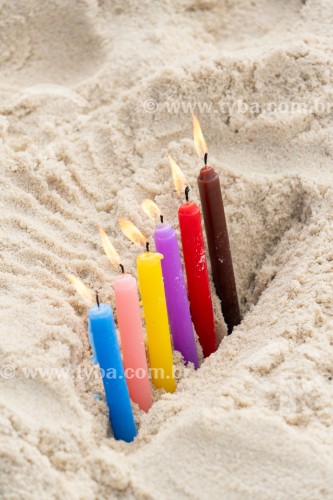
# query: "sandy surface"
x,y
79,148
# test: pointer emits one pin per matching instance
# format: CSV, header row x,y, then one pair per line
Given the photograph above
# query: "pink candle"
x,y
130,326
132,342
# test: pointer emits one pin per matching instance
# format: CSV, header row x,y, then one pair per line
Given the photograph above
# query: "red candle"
x,y
196,267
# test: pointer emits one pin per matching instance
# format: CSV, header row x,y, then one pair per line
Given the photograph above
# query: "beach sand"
x,y
93,96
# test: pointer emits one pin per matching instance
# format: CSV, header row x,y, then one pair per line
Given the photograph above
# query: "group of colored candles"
x,y
168,305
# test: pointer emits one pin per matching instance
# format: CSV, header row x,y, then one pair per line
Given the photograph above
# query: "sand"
x,y
89,92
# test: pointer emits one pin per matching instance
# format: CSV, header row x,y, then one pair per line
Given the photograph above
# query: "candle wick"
x,y
122,268
187,190
161,219
205,159
97,299
147,246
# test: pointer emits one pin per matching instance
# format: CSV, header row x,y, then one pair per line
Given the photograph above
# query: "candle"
x,y
106,349
130,327
155,311
175,290
217,235
195,265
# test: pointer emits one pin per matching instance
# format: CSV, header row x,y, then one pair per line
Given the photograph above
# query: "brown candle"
x,y
218,245
217,234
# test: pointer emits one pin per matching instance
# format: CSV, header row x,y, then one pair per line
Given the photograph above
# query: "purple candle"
x,y
175,293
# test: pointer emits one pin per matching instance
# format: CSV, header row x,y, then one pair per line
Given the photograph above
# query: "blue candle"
x,y
103,337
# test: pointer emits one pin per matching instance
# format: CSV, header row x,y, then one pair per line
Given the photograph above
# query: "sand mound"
x,y
256,418
42,42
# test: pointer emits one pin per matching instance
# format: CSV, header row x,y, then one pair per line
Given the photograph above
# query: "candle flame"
x,y
178,177
132,232
151,209
109,249
199,141
81,289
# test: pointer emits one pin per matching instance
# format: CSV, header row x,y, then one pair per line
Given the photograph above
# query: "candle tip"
x,y
205,159
131,231
151,209
109,249
178,176
199,141
161,219
97,298
187,190
122,268
147,246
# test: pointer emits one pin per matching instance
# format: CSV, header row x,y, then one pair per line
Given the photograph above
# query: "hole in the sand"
x,y
258,256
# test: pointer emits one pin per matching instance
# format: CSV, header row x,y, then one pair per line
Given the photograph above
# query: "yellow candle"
x,y
156,319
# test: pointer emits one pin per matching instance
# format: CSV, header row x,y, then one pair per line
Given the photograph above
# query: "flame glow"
x,y
109,249
199,141
81,289
132,232
178,177
151,209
